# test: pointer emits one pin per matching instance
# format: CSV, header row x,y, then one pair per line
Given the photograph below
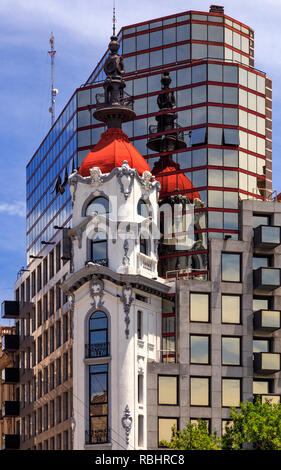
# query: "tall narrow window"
x,y
98,335
99,248
140,389
144,245
139,324
98,404
140,430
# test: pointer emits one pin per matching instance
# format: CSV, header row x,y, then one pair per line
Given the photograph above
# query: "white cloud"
x,y
16,208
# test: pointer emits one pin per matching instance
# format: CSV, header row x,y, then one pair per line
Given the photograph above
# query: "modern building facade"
x,y
121,338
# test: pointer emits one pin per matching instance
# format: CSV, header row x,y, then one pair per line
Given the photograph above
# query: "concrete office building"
x,y
171,335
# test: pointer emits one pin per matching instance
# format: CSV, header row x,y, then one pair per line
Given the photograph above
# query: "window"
x,y
65,406
139,324
65,440
231,392
98,334
231,267
198,136
52,376
261,262
51,264
58,410
45,417
143,208
231,137
167,390
58,257
261,345
140,389
260,303
199,307
39,278
58,334
199,349
261,387
45,307
199,391
40,380
52,302
98,412
99,205
39,313
52,413
230,308
260,220
58,371
65,367
231,348
58,296
165,426
52,339
46,343
99,247
65,327
144,245
46,381
39,349
39,420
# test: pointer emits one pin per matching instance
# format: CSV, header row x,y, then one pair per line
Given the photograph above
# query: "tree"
x,y
255,425
194,436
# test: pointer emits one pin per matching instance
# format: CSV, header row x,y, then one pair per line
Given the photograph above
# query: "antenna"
x,y
54,91
114,19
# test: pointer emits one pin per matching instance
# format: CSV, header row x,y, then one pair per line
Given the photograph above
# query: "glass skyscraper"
x,y
223,105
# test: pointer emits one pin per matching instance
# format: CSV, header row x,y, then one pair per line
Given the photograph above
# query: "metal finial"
x,y
114,19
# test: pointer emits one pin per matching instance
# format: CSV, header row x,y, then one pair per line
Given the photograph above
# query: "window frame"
x,y
209,349
240,266
209,307
209,390
240,351
177,390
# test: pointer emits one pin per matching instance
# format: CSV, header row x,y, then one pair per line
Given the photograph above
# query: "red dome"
x,y
170,184
110,152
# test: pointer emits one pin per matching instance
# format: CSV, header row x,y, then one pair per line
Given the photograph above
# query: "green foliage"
x,y
193,437
254,425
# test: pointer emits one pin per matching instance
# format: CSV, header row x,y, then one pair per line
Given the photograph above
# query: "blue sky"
x,y
82,29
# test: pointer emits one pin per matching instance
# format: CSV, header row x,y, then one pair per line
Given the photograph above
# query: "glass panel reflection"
x,y
230,307
230,267
199,349
261,345
271,277
260,386
199,307
231,393
231,351
271,234
167,390
165,426
270,318
199,391
271,361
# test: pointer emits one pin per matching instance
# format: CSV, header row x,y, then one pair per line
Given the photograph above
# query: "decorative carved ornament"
x,y
97,291
127,299
127,422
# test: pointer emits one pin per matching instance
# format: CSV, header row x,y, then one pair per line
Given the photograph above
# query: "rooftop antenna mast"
x,y
114,19
54,91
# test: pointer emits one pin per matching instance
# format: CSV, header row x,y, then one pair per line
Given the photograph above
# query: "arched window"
x,y
100,205
143,208
98,334
99,253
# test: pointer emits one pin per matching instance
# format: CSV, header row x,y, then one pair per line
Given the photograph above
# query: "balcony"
x,y
97,350
266,236
10,309
10,343
97,436
10,375
266,279
267,320
266,363
11,442
10,409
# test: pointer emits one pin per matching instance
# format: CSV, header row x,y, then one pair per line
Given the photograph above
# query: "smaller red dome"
x,y
110,152
171,184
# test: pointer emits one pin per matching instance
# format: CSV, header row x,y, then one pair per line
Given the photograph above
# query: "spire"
x,y
114,19
115,107
166,121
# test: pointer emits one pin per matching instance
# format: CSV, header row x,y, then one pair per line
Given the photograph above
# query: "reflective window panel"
x,y
167,390
199,391
199,307
230,308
